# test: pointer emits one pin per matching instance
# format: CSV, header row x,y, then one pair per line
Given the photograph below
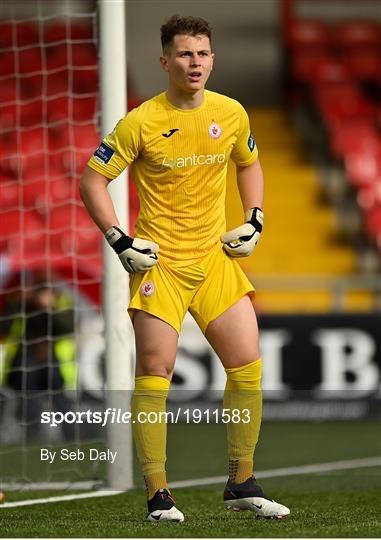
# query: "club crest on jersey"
x,y
148,288
214,130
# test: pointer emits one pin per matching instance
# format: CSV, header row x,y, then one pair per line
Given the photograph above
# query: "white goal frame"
x,y
118,332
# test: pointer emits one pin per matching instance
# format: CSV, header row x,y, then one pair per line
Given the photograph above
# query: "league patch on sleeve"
x,y
251,142
103,153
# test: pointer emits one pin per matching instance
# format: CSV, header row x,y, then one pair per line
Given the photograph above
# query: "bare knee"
x,y
154,364
156,345
234,335
155,356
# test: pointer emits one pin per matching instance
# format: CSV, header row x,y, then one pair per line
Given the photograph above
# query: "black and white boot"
x,y
249,496
162,508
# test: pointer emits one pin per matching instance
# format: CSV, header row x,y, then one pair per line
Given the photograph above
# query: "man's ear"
x,y
164,62
212,62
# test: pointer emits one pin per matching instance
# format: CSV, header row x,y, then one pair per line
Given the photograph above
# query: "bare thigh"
x,y
234,334
156,345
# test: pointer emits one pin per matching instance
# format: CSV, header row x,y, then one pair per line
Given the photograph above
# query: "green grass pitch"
x,y
333,504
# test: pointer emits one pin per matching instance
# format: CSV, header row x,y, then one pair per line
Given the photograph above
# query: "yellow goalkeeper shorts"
x,y
206,288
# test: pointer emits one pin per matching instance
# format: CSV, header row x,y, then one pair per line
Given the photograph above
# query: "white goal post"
x,y
113,79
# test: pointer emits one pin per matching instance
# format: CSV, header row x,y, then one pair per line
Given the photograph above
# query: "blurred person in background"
x,y
39,359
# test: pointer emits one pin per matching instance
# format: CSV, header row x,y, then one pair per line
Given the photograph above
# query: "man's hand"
x,y
137,255
241,241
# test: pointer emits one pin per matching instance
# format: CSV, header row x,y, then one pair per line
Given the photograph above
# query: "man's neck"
x,y
185,100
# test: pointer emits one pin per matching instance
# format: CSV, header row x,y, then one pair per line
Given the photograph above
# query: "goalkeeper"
x,y
181,258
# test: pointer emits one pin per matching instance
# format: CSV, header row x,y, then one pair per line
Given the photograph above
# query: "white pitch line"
x,y
271,473
62,498
288,471
81,485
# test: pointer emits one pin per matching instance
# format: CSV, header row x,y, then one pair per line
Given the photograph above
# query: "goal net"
x,y
51,326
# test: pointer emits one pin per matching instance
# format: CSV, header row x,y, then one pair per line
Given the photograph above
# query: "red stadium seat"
x,y
370,195
331,71
340,102
21,114
311,35
83,30
364,66
7,104
335,91
29,69
304,64
4,164
64,30
358,34
32,82
335,113
26,34
89,238
29,61
6,34
44,193
363,164
7,168
378,116
57,82
27,150
73,231
61,224
31,113
353,137
8,115
8,90
78,108
57,56
85,80
81,140
21,231
18,34
9,193
55,31
84,108
7,63
83,54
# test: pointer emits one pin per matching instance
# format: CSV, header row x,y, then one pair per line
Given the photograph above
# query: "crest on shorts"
x,y
148,288
214,130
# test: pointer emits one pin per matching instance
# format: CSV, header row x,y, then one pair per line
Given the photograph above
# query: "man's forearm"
x,y
250,185
96,198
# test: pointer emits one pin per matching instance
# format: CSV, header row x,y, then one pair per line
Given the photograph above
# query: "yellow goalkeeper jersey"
x,y
179,162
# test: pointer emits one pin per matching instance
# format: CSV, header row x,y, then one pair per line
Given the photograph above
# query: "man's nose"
x,y
195,61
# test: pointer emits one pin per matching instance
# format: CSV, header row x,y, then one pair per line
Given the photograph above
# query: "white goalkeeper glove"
x,y
137,255
241,241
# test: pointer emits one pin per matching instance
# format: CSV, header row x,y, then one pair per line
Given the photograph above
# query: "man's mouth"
x,y
195,75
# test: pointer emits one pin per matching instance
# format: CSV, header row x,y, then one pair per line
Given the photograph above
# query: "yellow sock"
x,y
155,481
150,438
243,392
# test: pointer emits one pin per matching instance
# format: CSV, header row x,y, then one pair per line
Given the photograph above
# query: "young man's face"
x,y
189,62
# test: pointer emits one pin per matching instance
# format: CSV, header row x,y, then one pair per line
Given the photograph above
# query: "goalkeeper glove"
x,y
241,241
137,255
